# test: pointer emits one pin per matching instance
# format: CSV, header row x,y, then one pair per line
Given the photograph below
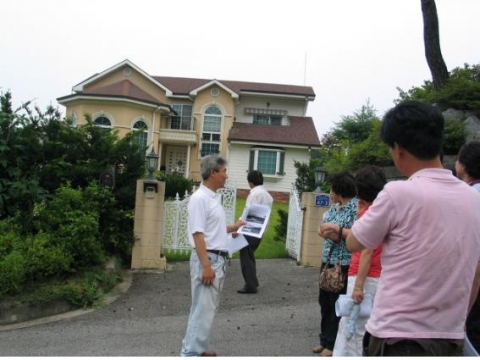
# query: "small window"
x,y
273,120
141,136
183,120
268,161
103,121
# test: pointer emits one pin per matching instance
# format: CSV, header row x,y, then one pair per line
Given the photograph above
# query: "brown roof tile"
x,y
123,88
301,131
183,86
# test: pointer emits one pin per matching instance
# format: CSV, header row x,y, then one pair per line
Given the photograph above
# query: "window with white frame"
x,y
103,122
211,131
268,161
183,119
141,133
264,119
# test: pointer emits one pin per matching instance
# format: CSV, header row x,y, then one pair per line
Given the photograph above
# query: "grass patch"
x,y
268,249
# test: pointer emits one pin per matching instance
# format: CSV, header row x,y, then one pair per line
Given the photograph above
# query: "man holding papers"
x,y
253,216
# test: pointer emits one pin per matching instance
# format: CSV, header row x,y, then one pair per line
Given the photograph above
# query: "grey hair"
x,y
209,163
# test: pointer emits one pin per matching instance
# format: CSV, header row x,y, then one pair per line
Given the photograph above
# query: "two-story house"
x,y
253,125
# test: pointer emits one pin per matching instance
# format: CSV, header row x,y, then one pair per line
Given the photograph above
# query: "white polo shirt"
x,y
206,215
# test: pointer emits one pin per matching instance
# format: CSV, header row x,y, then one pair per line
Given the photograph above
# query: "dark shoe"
x,y
246,291
208,353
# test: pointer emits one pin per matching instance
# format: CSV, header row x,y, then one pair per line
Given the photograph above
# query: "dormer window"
x,y
274,120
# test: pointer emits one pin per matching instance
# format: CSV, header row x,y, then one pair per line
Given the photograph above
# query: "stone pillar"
x,y
148,226
315,205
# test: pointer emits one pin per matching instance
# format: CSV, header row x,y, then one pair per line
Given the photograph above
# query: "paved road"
x,y
150,317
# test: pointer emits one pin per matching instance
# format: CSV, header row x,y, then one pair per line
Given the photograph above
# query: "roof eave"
x,y
65,100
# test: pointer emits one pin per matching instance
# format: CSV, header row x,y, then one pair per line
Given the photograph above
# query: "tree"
x,y
431,39
354,142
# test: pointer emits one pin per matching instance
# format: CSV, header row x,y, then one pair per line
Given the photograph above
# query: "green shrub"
x,y
12,273
45,259
175,184
282,226
72,220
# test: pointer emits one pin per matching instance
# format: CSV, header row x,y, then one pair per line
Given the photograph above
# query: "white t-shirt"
x,y
259,195
206,215
429,226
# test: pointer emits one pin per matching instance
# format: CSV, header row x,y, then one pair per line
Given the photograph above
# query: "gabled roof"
x,y
123,88
301,131
80,86
190,86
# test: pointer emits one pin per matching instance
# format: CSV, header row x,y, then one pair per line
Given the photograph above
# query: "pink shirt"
x,y
430,229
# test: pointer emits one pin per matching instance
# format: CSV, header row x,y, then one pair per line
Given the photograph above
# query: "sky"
x,y
348,51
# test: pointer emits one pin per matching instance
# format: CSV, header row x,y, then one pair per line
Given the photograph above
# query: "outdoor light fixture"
x,y
150,184
320,174
152,164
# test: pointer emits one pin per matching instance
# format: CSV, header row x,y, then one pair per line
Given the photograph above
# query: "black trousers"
x,y
248,264
373,346
329,321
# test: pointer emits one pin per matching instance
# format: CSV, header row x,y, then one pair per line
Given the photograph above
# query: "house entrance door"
x,y
176,159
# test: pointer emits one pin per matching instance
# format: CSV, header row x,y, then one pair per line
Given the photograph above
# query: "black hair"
x,y
343,184
370,181
416,127
469,157
255,177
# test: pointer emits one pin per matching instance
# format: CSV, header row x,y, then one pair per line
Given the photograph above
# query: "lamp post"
x,y
320,174
152,164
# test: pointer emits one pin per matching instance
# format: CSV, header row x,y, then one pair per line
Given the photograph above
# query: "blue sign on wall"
x,y
322,200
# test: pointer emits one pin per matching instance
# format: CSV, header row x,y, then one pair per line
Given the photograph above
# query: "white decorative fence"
x,y
175,217
294,227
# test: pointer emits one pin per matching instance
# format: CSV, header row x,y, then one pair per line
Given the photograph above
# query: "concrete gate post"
x,y
148,226
315,205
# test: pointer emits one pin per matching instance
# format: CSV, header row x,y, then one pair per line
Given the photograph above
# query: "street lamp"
x,y
320,174
152,164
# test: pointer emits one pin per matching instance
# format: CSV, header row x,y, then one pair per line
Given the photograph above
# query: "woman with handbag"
x,y
335,256
364,271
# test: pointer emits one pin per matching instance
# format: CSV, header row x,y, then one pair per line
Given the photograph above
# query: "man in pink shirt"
x,y
428,226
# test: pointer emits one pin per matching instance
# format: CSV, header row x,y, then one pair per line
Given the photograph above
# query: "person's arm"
x,y
353,245
475,288
363,268
208,275
232,228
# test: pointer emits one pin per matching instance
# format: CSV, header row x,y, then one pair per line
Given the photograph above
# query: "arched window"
x,y
211,132
103,122
141,136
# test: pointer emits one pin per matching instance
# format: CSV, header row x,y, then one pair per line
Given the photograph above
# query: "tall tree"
x,y
431,39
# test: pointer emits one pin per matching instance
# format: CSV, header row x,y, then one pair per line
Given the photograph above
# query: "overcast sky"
x,y
347,50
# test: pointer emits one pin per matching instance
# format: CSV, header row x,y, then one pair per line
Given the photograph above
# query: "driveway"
x,y
149,318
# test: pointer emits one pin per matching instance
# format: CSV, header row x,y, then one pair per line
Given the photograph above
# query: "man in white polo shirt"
x,y
207,231
429,227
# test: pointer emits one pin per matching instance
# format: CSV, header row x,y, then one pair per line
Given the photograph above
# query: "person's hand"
x,y
208,275
238,224
234,235
357,295
329,230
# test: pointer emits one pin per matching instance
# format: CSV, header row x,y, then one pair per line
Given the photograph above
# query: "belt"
x,y
218,252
